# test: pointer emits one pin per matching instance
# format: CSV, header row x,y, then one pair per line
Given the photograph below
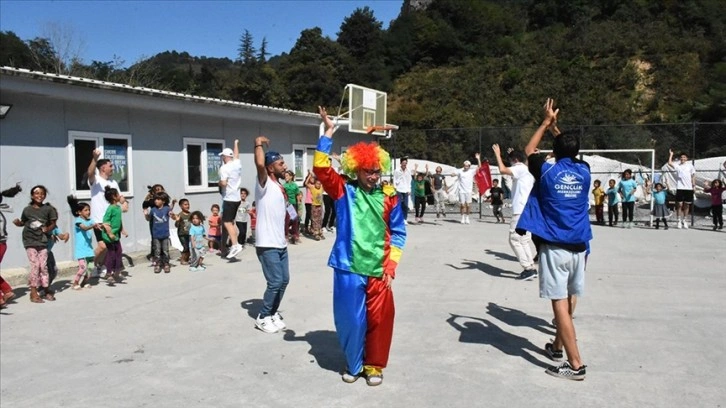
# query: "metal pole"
x,y
693,161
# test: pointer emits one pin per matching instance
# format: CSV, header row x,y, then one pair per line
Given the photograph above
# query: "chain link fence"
x,y
704,143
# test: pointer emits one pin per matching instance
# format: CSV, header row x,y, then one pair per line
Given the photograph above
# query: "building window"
x,y
302,158
201,164
113,146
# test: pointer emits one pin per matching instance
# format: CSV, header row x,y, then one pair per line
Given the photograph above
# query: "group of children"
x,y
623,193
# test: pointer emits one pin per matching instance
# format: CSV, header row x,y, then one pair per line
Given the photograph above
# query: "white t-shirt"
x,y
402,180
522,185
232,172
98,197
684,172
466,179
271,210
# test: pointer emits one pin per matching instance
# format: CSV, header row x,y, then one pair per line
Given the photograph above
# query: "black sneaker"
x,y
554,355
527,274
566,372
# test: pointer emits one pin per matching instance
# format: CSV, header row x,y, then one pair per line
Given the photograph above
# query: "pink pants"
x,y
38,257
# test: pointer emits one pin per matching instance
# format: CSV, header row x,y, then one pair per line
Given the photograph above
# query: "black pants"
x,y
329,216
628,211
717,211
419,203
612,214
308,214
242,232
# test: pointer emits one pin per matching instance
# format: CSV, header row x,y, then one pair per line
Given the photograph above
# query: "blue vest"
x,y
557,208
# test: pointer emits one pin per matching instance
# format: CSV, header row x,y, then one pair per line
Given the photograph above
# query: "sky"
x,y
132,30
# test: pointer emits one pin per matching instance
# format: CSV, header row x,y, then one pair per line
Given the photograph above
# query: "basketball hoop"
x,y
386,129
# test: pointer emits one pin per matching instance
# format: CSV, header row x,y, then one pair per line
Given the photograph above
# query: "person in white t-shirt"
x,y
523,183
98,183
465,182
402,184
270,236
230,179
685,180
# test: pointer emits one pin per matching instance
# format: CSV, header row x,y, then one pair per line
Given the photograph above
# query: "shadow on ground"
x,y
252,306
502,255
514,317
484,267
482,331
324,348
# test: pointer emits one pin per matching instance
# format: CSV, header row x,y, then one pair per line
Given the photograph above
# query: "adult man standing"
x,y
522,185
685,180
368,245
557,213
465,179
230,178
270,239
98,183
402,184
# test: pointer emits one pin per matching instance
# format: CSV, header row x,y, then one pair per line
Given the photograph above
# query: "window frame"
x,y
304,148
203,143
98,138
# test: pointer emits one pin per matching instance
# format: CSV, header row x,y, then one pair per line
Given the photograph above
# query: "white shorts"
x,y
464,198
561,273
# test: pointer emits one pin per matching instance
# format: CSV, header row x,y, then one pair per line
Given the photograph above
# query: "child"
x,y
83,240
496,196
660,212
111,235
294,196
627,188
182,224
196,244
716,189
599,195
53,237
253,223
159,216
242,217
419,194
308,204
214,233
37,220
316,192
613,201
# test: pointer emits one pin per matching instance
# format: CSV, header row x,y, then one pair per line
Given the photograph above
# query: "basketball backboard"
x,y
366,108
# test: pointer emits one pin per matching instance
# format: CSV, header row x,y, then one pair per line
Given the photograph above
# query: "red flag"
x,y
483,177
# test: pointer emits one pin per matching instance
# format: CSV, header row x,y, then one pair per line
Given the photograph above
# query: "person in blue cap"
x,y
270,237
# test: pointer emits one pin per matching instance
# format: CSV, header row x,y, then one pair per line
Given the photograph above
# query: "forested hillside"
x,y
466,63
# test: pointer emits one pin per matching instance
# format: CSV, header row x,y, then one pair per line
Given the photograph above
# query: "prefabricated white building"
x,y
152,136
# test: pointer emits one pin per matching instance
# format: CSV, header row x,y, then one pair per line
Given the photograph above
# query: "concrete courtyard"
x,y
651,329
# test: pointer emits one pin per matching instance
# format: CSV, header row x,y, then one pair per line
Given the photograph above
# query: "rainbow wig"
x,y
364,155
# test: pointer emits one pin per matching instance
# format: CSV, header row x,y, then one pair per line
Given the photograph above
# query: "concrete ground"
x,y
651,329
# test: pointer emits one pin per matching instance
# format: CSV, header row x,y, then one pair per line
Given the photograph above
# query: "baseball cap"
x,y
467,163
271,157
227,152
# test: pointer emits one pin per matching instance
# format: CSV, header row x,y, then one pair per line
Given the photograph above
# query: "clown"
x,y
368,245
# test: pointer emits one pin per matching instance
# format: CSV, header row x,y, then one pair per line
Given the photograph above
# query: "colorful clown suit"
x,y
369,239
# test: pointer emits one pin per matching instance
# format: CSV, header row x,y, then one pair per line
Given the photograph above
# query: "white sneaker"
x,y
680,224
405,222
467,219
234,251
278,322
463,219
685,224
266,324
